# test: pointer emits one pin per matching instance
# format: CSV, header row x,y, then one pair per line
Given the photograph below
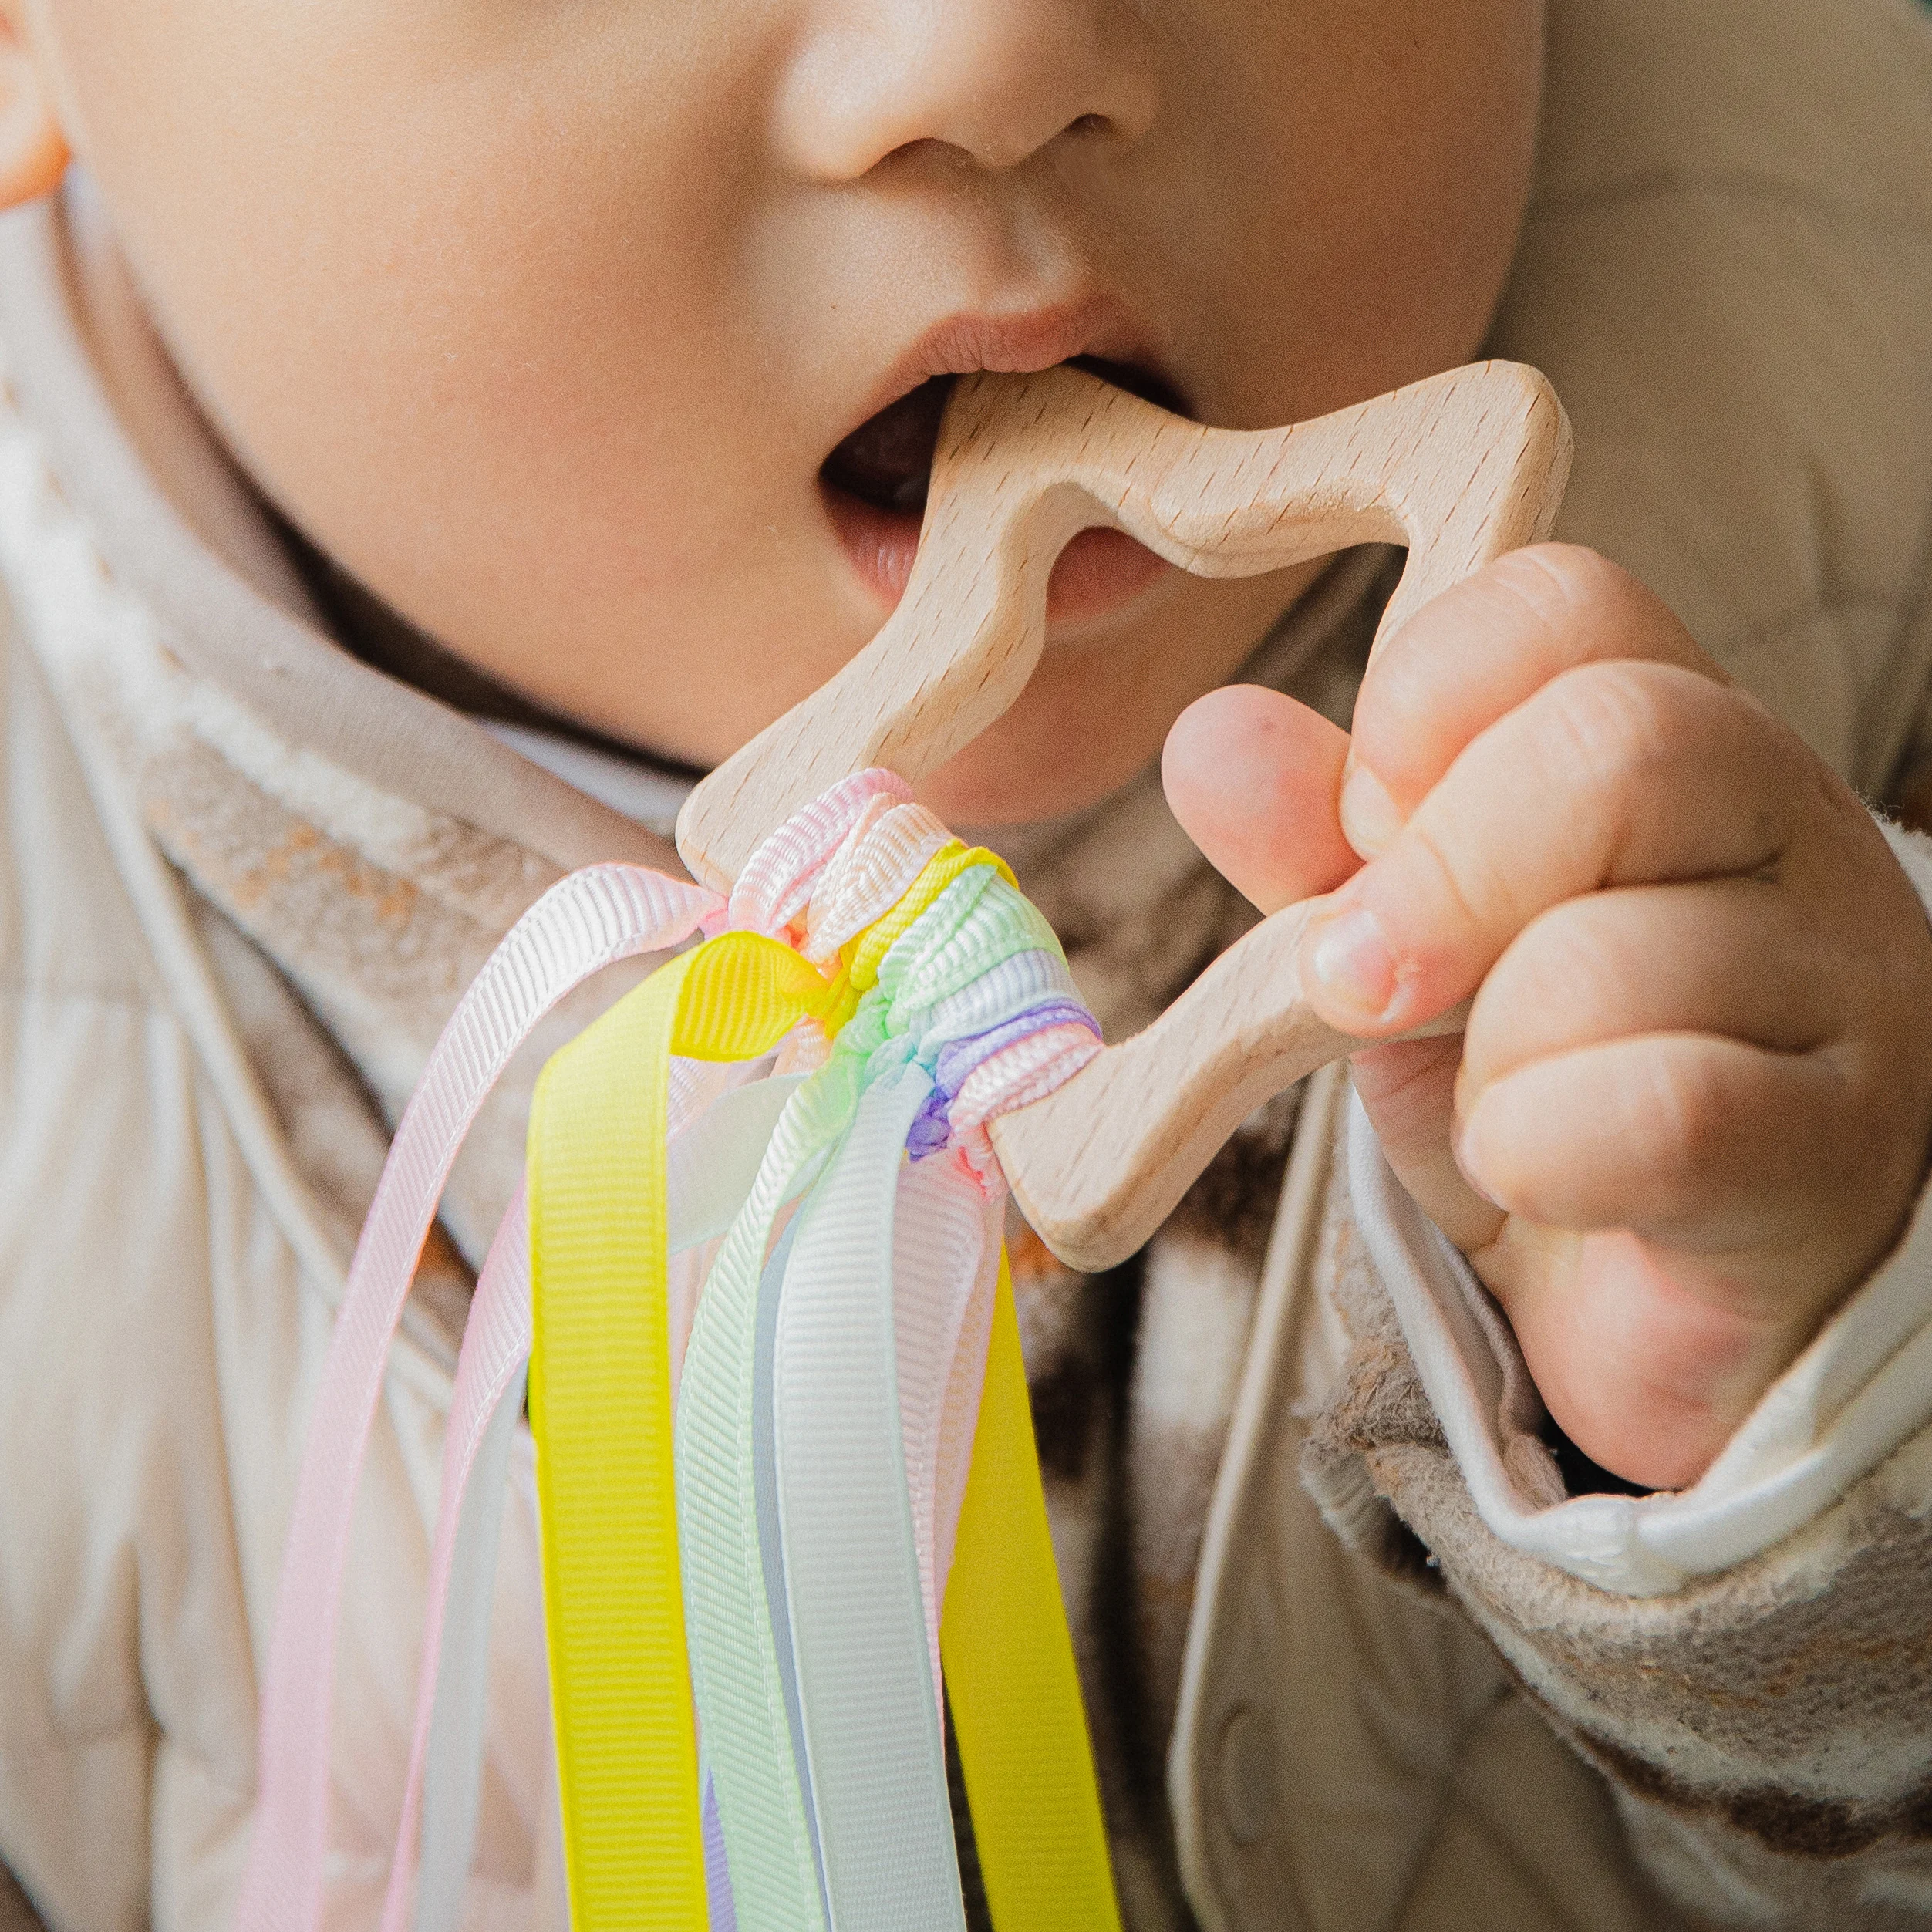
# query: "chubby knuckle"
x,y
1575,592
1614,724
1574,574
1455,880
1594,611
1685,1113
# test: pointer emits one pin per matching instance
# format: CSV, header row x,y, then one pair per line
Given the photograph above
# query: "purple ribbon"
x,y
958,1059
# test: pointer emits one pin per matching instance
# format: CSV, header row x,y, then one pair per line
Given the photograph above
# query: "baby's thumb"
x,y
1253,777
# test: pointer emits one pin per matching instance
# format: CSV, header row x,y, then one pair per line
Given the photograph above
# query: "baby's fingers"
x,y
1703,1145
1612,774
1735,958
1476,653
1711,1066
1739,957
1651,1264
1253,777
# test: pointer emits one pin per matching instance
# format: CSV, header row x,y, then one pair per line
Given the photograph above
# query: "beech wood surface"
x,y
1460,468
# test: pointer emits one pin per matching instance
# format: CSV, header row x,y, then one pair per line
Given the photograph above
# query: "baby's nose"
x,y
997,79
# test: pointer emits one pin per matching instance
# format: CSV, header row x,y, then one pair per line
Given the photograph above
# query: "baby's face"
x,y
573,328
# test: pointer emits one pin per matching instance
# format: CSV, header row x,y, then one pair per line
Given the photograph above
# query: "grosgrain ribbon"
x,y
823,1426
595,916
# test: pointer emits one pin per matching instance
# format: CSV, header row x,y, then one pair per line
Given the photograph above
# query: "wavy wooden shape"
x,y
1460,468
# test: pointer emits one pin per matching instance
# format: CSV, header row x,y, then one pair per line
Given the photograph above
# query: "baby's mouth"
x,y
887,462
874,485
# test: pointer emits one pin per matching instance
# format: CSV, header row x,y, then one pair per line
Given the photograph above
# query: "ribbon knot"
x,y
936,947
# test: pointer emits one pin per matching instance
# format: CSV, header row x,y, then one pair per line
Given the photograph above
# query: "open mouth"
x,y
874,485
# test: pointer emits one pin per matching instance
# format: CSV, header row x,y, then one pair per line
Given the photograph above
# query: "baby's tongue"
x,y
887,460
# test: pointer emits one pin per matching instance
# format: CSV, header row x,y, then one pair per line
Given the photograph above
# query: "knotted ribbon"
x,y
832,1517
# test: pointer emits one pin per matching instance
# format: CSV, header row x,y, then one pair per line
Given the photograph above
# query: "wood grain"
x,y
1098,1166
1460,468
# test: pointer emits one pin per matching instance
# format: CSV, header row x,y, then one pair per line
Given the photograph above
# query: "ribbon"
x,y
1010,1663
823,1512
596,916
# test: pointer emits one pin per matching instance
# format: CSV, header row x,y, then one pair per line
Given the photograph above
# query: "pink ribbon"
x,y
584,923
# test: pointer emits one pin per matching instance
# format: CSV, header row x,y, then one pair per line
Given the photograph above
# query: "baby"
x,y
433,424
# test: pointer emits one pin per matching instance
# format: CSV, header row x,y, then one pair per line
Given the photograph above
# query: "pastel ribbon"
x,y
602,914
808,1523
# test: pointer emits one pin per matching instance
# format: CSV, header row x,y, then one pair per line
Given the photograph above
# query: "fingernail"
x,y
1348,959
1370,819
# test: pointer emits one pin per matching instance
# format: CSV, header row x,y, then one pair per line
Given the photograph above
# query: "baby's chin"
x,y
1045,757
1043,761
1099,573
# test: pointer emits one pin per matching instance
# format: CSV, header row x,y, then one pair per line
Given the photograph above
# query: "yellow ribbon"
x,y
600,1409
866,954
1010,1676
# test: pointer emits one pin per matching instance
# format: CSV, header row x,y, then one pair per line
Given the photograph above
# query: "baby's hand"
x,y
1692,1108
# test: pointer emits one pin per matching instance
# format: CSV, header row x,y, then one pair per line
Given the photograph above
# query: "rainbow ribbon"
x,y
832,1519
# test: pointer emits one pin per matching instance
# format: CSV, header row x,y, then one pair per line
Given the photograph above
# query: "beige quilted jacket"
x,y
1358,1660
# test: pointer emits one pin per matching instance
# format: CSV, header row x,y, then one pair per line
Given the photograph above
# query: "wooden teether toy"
x,y
792,1144
1461,468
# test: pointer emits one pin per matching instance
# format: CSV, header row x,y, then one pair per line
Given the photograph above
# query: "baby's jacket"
x,y
1357,1658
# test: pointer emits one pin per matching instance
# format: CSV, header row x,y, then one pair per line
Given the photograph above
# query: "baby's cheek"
x,y
1362,226
456,285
